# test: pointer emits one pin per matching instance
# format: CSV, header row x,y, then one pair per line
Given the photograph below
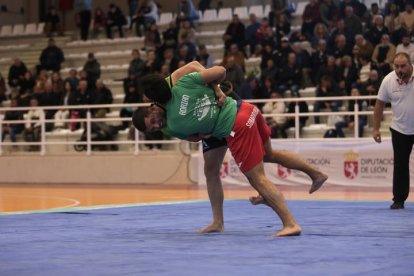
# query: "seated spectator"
x,y
204,5
250,33
276,123
290,121
52,22
26,85
407,19
234,33
49,98
57,83
81,96
362,47
147,13
99,22
280,54
282,27
318,59
234,72
392,22
310,17
73,78
320,32
338,30
3,89
136,65
349,121
51,57
268,37
270,72
63,113
326,88
353,22
348,75
186,11
376,31
330,69
303,59
152,39
101,95
16,72
238,56
204,57
341,48
93,69
10,128
32,130
365,66
115,18
371,86
131,96
290,76
169,60
170,36
383,55
406,47
249,89
268,86
329,13
151,63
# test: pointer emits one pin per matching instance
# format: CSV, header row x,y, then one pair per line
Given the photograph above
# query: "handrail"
x,y
136,141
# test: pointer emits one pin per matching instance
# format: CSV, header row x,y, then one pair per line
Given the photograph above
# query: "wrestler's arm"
x,y
191,67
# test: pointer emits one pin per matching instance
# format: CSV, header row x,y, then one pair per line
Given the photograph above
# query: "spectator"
x,y
280,54
318,59
51,57
92,68
383,55
338,30
3,89
362,47
170,36
264,23
73,78
52,22
187,32
16,72
152,40
147,13
234,72
359,9
101,95
235,32
371,86
290,121
186,11
203,57
136,65
131,96
329,13
115,18
407,19
170,60
282,27
99,22
270,71
204,5
276,123
250,33
151,63
63,113
376,31
290,76
392,22
238,56
342,47
10,128
353,23
268,87
49,98
303,59
33,126
320,32
349,121
83,9
310,17
187,52
57,83
249,88
370,16
348,75
406,47
132,10
268,38
81,96
365,66
326,88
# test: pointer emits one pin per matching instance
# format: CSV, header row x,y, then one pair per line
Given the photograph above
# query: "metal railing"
x,y
87,122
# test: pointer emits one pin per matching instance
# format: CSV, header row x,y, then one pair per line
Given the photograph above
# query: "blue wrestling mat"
x,y
339,238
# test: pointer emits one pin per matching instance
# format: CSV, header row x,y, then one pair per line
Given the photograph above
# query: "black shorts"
x,y
213,143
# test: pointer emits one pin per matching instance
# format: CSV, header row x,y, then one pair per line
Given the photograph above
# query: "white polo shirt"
x,y
401,97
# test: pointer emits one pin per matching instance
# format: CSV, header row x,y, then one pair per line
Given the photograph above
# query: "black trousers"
x,y
85,22
402,145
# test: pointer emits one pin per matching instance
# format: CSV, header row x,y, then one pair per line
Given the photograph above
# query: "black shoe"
x,y
397,205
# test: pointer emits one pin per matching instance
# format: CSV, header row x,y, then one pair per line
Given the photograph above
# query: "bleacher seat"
x,y
225,14
31,29
209,15
241,12
40,28
6,30
18,29
267,10
166,18
257,10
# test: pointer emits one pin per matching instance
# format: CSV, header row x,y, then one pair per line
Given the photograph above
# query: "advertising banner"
x,y
348,163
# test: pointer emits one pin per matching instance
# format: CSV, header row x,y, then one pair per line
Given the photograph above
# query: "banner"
x,y
348,163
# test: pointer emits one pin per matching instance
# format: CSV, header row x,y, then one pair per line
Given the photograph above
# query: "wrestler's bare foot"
x,y
294,230
317,181
256,200
212,228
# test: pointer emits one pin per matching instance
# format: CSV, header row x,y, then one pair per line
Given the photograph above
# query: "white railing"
x,y
137,141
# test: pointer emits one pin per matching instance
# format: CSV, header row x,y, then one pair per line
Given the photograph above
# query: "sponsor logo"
x,y
351,164
252,118
183,105
283,172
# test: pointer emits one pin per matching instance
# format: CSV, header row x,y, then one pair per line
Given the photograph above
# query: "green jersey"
x,y
193,109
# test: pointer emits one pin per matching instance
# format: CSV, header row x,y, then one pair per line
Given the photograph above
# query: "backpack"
x,y
330,133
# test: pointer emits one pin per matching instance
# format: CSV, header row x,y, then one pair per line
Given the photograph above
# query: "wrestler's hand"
x,y
221,97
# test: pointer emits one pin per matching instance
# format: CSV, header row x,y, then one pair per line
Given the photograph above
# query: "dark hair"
x,y
156,88
138,118
407,56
